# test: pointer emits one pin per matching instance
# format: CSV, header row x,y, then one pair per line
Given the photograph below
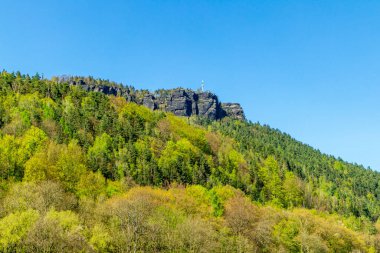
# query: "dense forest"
x,y
86,172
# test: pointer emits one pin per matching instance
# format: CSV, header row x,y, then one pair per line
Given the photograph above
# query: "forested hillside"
x,y
85,172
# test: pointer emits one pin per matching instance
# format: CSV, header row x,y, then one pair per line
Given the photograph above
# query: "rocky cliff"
x,y
181,102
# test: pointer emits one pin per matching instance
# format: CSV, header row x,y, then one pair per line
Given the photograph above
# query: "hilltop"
x,y
88,165
179,101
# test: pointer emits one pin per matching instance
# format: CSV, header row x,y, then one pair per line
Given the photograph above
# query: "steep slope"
x,y
72,163
329,183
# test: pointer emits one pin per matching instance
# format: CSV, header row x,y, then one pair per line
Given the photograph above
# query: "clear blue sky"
x,y
309,68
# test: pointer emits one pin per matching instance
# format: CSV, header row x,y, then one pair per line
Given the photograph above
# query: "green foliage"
x,y
56,232
286,232
41,196
180,161
100,238
10,163
14,227
293,190
324,182
32,140
91,185
269,175
100,155
72,164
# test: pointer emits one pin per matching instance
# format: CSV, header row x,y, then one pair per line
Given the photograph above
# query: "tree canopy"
x,y
83,172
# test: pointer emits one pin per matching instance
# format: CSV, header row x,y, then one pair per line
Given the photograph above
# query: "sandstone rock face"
x,y
180,102
209,105
234,109
108,90
149,101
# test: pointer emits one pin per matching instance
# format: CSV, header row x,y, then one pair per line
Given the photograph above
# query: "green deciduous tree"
x,y
269,176
71,165
14,228
101,156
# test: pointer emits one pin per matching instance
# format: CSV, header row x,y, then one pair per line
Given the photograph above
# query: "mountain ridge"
x,y
100,160
179,101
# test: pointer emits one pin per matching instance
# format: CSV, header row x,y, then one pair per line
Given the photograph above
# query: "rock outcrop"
x,y
234,109
180,102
